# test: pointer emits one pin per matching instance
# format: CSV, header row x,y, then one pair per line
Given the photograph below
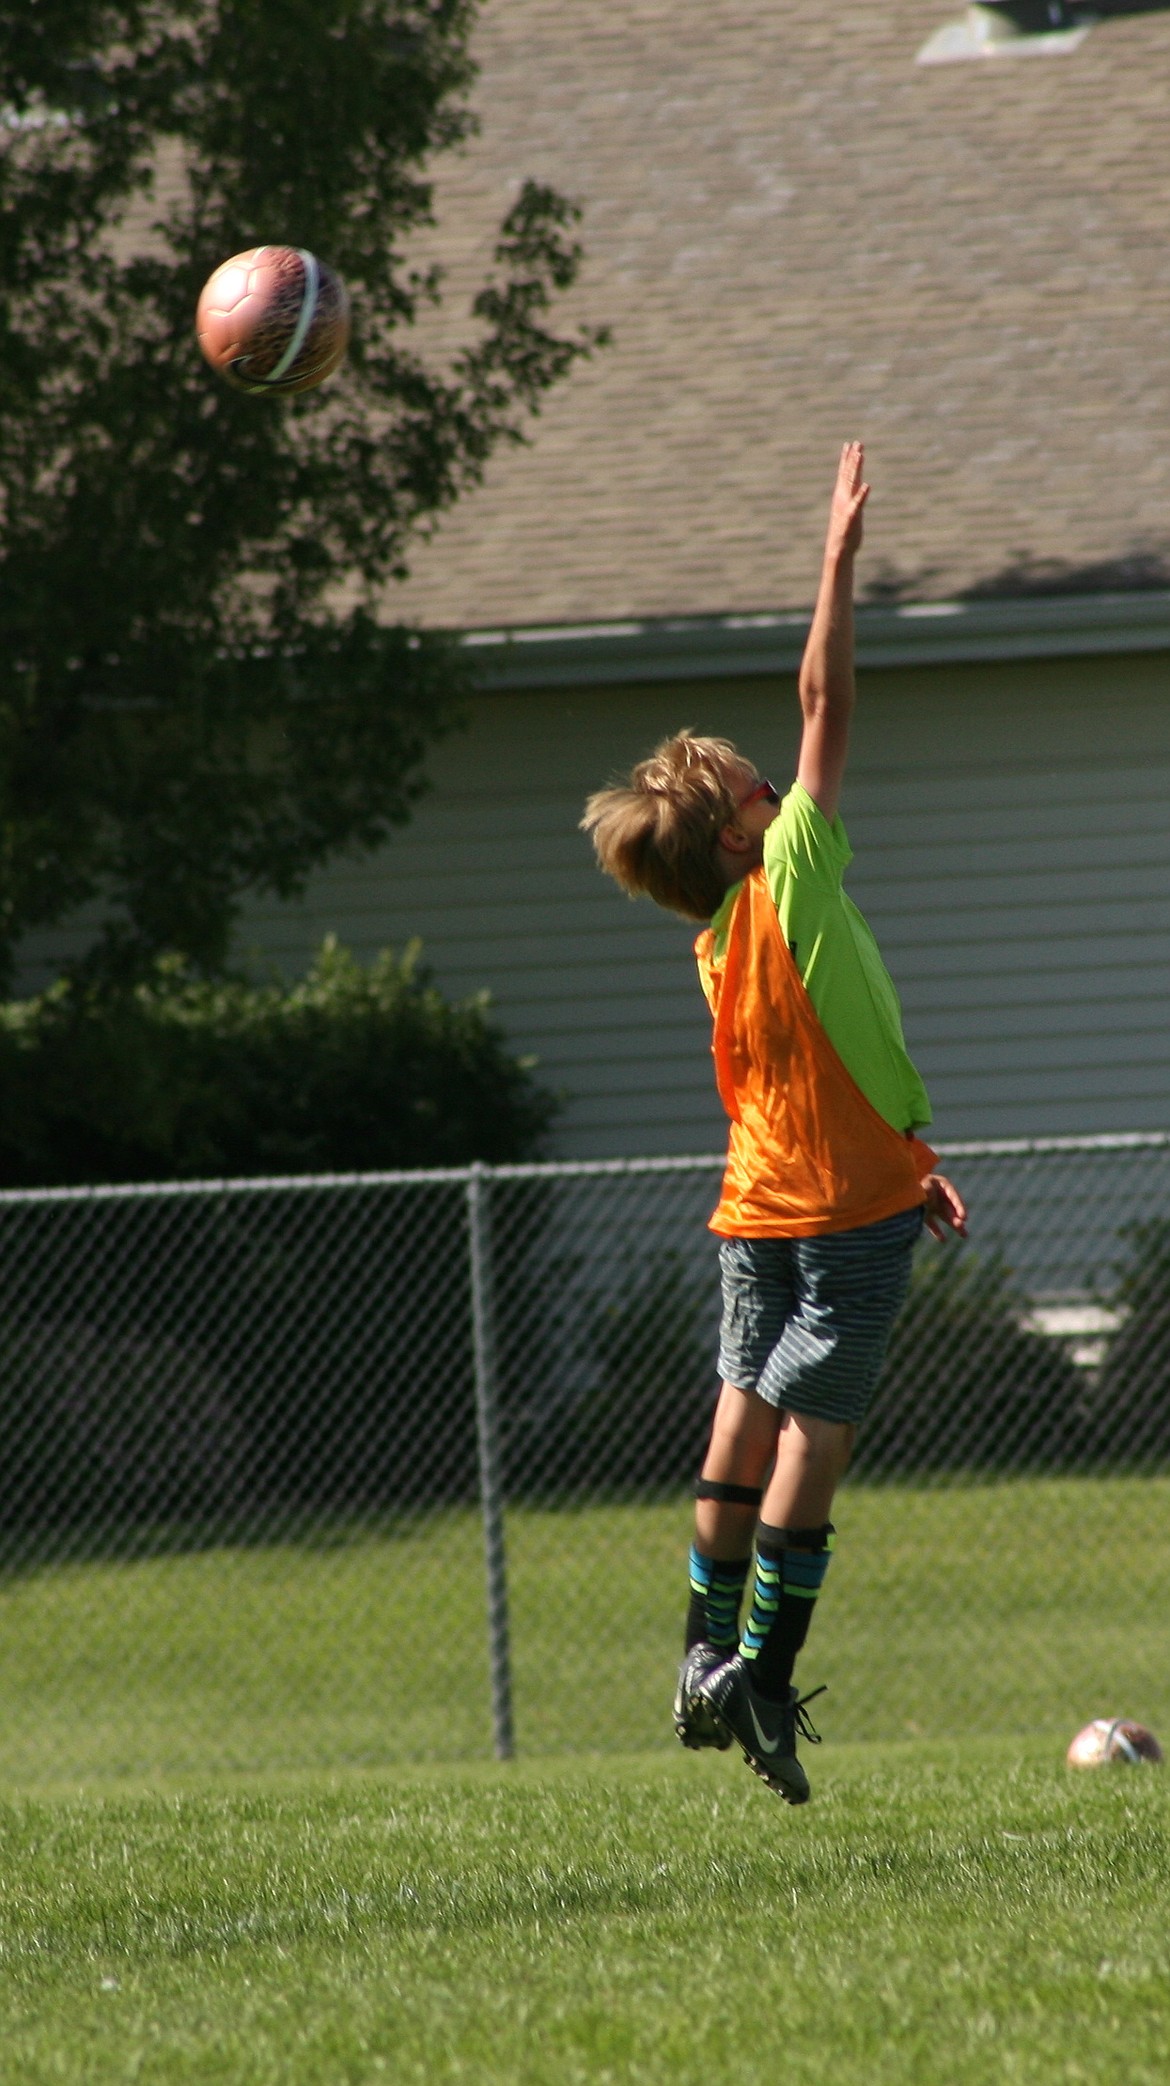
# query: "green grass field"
x,y
938,1914
224,1860
1019,1608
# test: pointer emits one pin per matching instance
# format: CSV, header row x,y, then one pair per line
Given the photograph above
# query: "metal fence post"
x,y
483,1327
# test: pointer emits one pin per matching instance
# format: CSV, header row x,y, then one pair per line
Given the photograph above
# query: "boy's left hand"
x,y
849,498
945,1208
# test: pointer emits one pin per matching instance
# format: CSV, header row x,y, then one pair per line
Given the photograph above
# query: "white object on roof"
x,y
989,30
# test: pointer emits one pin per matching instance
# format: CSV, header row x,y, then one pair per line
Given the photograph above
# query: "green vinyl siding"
x,y
1011,835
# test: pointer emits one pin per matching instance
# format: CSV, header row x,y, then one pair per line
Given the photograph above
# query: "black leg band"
x,y
794,1538
730,1495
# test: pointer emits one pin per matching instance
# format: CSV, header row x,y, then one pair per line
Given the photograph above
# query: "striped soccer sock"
x,y
717,1586
790,1571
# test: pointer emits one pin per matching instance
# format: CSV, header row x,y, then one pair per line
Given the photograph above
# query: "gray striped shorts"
x,y
806,1322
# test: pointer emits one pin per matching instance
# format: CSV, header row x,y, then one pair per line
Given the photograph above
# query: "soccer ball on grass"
x,y
1114,1742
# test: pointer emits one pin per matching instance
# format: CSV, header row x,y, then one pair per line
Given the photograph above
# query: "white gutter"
x,y
927,633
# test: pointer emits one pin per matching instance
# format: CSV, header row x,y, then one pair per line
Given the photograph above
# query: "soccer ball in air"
x,y
273,319
1113,1741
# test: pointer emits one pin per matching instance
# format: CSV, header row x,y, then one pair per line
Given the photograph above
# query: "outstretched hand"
x,y
826,671
945,1208
849,498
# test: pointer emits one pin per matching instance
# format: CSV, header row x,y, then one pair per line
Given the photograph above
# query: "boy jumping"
x,y
827,1184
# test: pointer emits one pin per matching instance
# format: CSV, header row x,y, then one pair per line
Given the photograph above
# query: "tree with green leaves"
x,y
186,713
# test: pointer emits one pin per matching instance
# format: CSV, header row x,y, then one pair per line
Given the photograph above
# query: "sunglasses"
x,y
766,792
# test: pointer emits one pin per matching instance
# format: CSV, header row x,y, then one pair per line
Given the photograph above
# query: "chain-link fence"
x,y
265,1443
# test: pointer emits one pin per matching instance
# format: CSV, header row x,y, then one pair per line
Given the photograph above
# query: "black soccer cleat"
x,y
693,1720
767,1731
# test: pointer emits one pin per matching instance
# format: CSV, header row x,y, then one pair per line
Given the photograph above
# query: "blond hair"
x,y
657,833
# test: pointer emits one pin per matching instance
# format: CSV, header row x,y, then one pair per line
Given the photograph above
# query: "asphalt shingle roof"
x,y
797,235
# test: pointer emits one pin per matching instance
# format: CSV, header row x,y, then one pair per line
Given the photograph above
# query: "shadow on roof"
x,y
1142,569
1135,571
1036,17
1103,10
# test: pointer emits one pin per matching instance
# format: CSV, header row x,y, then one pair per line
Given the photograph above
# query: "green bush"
x,y
1128,1404
967,1384
179,1078
648,1416
171,1364
244,1354
625,1383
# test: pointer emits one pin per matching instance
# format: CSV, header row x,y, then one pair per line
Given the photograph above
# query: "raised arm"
x,y
826,673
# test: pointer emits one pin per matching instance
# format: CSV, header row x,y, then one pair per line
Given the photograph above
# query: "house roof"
x,y
798,234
